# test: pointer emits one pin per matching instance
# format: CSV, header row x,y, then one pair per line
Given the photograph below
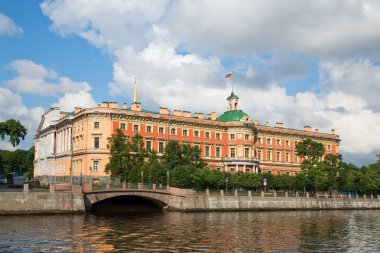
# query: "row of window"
x,y
269,156
278,141
185,132
287,142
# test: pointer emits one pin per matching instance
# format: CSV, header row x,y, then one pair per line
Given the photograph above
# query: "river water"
x,y
285,231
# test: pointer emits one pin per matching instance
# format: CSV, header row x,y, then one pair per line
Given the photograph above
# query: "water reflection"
x,y
298,231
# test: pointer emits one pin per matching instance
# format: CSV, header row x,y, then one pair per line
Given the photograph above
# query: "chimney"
x,y
113,105
104,104
307,128
266,123
124,106
213,116
200,115
187,114
77,109
177,113
164,110
256,122
316,130
136,106
332,131
279,124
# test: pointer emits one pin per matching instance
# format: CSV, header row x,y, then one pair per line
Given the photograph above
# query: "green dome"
x,y
233,115
232,96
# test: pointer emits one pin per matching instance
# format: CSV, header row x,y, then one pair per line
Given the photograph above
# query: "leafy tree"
x,y
331,166
172,155
18,160
312,153
183,176
137,158
14,130
120,156
154,171
310,150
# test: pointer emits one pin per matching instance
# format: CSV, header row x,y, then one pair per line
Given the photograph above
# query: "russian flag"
x,y
229,75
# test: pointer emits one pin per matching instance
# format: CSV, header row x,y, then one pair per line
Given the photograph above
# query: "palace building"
x,y
72,145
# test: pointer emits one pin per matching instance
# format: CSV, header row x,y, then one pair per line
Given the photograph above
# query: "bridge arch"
x,y
132,200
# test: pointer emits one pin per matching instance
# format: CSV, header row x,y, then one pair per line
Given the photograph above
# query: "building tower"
x,y
232,102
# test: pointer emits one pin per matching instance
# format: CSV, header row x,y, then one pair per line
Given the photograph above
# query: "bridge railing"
x,y
104,186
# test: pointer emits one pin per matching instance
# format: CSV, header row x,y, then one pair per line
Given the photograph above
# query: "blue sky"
x,y
299,62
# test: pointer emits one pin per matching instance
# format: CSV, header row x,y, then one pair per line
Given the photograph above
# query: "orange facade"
x,y
231,142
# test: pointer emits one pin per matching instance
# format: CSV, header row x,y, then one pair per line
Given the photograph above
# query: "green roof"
x,y
233,115
232,96
68,113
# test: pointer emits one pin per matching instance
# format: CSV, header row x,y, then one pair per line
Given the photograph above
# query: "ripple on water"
x,y
309,231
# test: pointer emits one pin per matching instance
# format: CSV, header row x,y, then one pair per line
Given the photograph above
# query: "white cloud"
x,y
11,106
8,27
110,24
224,26
322,27
79,99
143,38
36,79
360,77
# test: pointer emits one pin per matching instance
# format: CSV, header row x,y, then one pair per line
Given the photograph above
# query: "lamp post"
x,y
265,184
142,176
90,170
226,181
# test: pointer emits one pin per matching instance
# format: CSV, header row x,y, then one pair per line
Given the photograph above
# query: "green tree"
x,y
154,171
14,130
138,154
311,152
331,167
119,165
172,155
18,160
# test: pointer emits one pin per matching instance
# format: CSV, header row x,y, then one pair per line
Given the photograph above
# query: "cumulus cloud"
x,y
110,24
360,77
78,99
8,27
36,79
165,77
320,27
179,50
12,106
225,27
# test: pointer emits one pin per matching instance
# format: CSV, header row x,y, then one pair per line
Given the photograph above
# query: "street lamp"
x,y
265,184
226,181
90,170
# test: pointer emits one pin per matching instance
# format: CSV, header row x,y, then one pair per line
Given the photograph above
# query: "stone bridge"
x,y
171,198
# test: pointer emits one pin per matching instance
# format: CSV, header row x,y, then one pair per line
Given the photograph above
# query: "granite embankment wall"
x,y
41,202
240,203
70,202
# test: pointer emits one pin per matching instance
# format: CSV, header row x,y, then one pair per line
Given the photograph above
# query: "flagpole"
x,y
232,79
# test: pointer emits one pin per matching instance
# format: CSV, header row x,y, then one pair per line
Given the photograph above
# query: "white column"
x,y
245,169
237,168
69,139
225,167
